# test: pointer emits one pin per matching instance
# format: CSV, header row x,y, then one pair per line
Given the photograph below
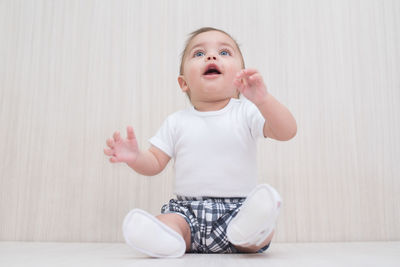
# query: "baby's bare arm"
x,y
280,123
149,162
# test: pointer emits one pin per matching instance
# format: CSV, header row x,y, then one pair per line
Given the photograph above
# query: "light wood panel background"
x,y
73,72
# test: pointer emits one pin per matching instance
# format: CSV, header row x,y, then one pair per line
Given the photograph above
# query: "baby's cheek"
x,y
233,75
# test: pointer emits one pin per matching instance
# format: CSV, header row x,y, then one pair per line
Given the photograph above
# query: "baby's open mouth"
x,y
211,69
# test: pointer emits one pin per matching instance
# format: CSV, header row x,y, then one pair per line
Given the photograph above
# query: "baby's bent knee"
x,y
178,224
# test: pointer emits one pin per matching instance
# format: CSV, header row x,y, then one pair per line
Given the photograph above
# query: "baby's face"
x,y
210,66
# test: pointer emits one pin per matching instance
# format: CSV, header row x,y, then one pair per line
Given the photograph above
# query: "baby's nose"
x,y
211,57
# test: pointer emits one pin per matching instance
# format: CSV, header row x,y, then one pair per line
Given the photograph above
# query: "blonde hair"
x,y
197,32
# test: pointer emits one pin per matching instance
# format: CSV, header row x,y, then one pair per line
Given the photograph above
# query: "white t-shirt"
x,y
214,151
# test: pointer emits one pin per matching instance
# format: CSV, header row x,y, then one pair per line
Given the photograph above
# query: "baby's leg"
x,y
255,248
162,236
179,224
253,227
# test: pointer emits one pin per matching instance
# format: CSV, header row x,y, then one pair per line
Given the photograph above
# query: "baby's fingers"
x,y
249,72
114,160
130,133
108,152
240,83
256,79
117,137
245,73
110,143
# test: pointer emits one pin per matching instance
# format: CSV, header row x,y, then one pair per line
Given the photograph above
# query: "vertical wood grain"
x,y
72,72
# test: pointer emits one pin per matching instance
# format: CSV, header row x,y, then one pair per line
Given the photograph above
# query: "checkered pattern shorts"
x,y
208,219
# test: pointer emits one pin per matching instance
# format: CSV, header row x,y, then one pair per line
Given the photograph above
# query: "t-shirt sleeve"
x,y
254,119
164,138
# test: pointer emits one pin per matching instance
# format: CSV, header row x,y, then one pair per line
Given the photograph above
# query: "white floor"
x,y
280,254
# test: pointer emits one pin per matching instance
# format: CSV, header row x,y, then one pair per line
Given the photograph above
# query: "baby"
x,y
218,206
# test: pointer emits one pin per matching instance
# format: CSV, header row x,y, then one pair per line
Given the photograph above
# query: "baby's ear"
x,y
182,83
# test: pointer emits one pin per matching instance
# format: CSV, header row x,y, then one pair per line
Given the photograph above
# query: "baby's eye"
x,y
198,54
225,53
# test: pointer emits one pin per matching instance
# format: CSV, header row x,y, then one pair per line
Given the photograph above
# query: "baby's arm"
x,y
150,162
280,123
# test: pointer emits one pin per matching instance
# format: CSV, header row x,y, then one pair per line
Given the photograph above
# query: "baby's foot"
x,y
145,233
256,218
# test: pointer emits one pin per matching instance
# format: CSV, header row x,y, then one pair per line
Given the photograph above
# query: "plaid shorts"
x,y
208,219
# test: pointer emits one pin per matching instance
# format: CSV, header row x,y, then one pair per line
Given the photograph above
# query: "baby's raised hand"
x,y
122,150
251,85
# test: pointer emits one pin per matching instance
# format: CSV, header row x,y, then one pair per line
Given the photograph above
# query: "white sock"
x,y
256,218
145,233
